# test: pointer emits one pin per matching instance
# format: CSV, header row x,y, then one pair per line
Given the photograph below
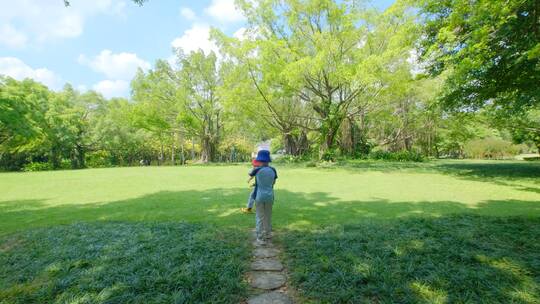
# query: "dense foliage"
x,y
491,47
323,79
490,51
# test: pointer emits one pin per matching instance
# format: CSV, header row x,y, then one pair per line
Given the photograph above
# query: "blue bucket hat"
x,y
263,156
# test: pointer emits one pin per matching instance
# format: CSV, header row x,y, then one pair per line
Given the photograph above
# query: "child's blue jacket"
x,y
265,177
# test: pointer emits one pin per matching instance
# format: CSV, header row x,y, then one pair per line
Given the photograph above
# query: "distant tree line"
x,y
322,79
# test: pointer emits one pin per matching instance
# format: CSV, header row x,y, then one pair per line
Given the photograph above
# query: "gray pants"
x,y
263,220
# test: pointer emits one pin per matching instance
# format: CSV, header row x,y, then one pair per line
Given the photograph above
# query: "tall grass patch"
x,y
111,262
452,259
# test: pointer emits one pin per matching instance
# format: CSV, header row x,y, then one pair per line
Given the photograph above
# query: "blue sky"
x,y
99,44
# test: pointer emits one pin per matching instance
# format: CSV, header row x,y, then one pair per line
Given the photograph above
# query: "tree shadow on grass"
x,y
505,173
222,207
123,262
382,250
479,169
460,258
490,170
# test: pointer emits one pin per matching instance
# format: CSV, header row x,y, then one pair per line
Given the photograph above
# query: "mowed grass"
x,y
305,197
375,232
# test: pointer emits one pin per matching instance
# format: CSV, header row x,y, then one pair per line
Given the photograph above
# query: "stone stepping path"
x,y
270,264
267,280
267,276
273,297
265,252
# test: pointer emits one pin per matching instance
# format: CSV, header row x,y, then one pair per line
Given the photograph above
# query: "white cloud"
x,y
119,68
224,11
82,88
112,88
16,68
115,66
241,33
12,37
172,60
195,38
188,13
40,21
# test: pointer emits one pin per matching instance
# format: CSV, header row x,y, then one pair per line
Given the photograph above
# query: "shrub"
x,y
291,159
311,164
329,155
532,158
13,161
98,159
37,166
65,164
401,156
490,148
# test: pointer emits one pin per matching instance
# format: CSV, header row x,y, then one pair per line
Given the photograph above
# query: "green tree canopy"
x,y
491,48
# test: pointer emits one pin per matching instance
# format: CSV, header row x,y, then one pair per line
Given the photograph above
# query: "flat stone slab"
x,y
267,280
273,297
267,244
263,252
267,264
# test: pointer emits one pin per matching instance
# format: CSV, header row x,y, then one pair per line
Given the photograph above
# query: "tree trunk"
x,y
302,145
181,142
289,144
160,153
77,157
81,155
233,155
328,136
192,148
347,140
327,145
207,150
173,153
55,159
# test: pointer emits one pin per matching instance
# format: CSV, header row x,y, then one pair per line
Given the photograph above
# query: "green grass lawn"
x,y
358,231
123,263
448,259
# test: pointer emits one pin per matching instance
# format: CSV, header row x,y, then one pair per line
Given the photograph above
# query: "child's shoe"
x,y
246,210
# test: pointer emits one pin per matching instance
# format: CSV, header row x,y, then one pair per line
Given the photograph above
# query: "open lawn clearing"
x,y
305,197
437,231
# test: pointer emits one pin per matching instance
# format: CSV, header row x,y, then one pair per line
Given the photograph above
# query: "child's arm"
x,y
252,173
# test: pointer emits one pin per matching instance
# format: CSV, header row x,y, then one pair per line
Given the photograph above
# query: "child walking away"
x,y
265,177
251,199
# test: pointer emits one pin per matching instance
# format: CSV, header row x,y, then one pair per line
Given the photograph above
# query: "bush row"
x,y
400,156
491,148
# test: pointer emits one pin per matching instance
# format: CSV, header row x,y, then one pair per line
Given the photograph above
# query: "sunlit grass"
x,y
356,231
305,197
